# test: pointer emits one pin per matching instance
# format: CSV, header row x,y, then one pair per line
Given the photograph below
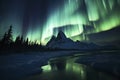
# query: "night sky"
x,y
36,19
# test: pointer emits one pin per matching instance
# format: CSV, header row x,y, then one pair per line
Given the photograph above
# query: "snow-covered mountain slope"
x,y
62,42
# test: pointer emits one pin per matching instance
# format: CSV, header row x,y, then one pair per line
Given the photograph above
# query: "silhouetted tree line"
x,y
7,44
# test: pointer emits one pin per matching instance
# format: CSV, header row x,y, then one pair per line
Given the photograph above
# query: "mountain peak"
x,y
62,42
61,35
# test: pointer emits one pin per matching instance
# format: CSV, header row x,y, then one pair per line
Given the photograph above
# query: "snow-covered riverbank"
x,y
16,66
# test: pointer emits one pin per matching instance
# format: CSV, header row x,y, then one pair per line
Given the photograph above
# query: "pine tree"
x,y
21,40
7,38
27,42
17,41
9,35
7,41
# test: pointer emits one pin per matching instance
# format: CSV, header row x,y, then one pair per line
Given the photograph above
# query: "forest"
x,y
20,44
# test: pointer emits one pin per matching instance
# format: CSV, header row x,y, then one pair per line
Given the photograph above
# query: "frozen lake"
x,y
28,66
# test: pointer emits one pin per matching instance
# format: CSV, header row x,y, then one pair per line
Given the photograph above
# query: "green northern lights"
x,y
103,15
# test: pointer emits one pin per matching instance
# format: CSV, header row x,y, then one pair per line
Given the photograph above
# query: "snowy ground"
x,y
108,62
17,66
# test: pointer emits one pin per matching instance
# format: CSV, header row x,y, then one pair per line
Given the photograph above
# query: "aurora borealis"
x,y
37,19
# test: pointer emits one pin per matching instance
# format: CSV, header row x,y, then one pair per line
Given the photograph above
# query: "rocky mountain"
x,y
62,42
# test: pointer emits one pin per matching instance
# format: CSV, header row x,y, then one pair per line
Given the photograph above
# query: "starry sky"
x,y
37,19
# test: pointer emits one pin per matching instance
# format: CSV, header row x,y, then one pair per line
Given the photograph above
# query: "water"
x,y
65,68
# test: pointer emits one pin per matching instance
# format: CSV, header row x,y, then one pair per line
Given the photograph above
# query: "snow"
x,y
109,63
62,42
16,66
